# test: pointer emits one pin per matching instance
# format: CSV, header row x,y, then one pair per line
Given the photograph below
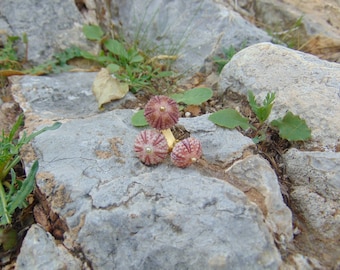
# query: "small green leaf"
x,y
67,55
87,55
138,119
93,32
197,96
136,59
117,48
112,68
262,112
260,138
19,198
25,139
292,127
229,118
178,97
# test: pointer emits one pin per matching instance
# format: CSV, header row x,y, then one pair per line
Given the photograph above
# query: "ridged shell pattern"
x,y
161,112
186,152
151,147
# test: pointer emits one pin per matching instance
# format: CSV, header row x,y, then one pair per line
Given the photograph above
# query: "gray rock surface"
x,y
310,88
316,189
311,26
51,26
160,26
37,244
319,17
256,178
71,94
210,136
304,85
124,215
193,30
225,212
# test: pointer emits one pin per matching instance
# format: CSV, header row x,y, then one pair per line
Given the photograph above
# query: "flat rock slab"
x,y
70,93
38,243
117,208
305,85
51,26
122,214
194,31
316,190
176,28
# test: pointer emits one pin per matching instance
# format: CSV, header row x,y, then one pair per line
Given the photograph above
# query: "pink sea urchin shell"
x,y
161,112
186,152
151,147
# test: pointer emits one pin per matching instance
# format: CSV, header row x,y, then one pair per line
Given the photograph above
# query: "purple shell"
x,y
186,152
161,112
151,147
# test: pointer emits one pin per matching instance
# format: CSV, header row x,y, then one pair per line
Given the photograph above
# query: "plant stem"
x,y
170,138
3,207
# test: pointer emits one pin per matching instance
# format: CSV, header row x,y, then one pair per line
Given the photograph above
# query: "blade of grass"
x,y
19,198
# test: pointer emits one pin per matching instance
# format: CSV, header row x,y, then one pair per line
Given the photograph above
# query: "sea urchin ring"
x,y
161,112
186,152
151,147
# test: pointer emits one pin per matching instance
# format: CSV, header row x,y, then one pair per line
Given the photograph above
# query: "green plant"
x,y
195,96
8,54
13,191
127,63
291,127
58,63
11,64
291,36
227,54
222,61
262,112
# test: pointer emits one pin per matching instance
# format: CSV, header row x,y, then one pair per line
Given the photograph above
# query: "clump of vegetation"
x,y
8,55
11,64
221,61
13,190
126,62
227,53
290,37
290,127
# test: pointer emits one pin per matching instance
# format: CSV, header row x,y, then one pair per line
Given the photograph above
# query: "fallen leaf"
x,y
193,109
107,88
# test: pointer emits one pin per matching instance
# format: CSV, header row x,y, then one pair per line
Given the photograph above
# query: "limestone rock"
x,y
254,176
193,30
303,84
316,189
51,26
185,29
38,249
124,215
321,171
312,26
219,145
133,211
70,93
